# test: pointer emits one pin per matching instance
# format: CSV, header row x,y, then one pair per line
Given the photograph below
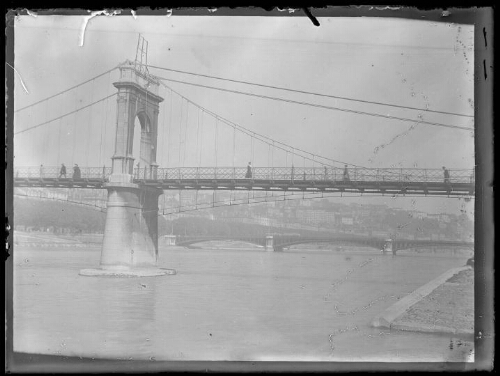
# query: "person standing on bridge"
x,y
248,175
76,172
62,171
446,175
41,171
346,174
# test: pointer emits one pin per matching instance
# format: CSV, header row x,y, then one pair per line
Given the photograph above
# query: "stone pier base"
x,y
130,244
124,272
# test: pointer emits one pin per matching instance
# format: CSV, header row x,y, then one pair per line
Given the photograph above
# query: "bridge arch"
x,y
371,243
142,148
187,241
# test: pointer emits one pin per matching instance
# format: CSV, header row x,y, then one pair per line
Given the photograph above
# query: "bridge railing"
x,y
290,174
357,174
51,172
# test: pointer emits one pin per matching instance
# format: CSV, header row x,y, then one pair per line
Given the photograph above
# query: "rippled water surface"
x,y
240,304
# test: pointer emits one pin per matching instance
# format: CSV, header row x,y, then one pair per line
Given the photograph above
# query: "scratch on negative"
x,y
86,20
404,133
22,82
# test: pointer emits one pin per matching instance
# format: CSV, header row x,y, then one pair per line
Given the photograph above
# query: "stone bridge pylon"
x,y
130,245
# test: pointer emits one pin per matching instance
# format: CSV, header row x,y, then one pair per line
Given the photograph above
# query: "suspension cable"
x,y
321,106
251,138
44,137
310,93
262,138
186,134
201,143
59,143
75,127
63,116
162,145
89,136
169,130
216,136
106,109
272,156
180,134
234,145
198,135
65,91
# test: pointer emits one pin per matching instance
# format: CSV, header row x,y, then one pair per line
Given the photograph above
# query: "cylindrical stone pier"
x,y
130,245
131,233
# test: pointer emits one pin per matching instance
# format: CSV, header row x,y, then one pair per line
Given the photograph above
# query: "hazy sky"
x,y
403,62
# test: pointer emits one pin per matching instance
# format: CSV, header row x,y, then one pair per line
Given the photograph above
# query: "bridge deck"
x,y
362,180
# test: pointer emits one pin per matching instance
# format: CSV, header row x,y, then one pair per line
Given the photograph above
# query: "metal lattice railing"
x,y
51,172
293,174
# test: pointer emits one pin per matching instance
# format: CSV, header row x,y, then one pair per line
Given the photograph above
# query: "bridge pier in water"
x,y
130,245
269,243
169,240
389,247
132,225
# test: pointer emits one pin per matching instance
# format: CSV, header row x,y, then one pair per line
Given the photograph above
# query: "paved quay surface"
x,y
447,309
429,308
443,306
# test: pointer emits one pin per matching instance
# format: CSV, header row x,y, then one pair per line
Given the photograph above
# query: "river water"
x,y
224,304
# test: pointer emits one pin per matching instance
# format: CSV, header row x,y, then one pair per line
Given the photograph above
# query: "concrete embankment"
x,y
390,318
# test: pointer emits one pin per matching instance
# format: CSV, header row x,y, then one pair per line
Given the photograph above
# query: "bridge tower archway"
x,y
143,147
137,99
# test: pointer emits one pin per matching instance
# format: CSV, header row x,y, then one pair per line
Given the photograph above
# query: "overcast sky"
x,y
410,63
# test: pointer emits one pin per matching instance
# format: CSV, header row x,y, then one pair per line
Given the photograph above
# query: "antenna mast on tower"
x,y
141,56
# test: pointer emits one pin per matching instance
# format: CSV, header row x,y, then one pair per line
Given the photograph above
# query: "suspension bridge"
x,y
77,126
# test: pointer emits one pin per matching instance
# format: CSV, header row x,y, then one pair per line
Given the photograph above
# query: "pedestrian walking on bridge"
x,y
76,172
248,175
446,175
62,171
346,174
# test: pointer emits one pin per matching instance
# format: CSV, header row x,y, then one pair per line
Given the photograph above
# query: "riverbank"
x,y
447,309
444,305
